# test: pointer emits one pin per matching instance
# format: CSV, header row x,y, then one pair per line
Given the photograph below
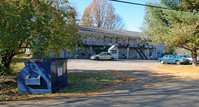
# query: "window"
x,y
166,57
103,54
108,54
104,38
114,52
110,39
171,56
116,40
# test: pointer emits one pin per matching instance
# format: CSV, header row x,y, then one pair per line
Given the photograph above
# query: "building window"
x,y
107,39
116,40
111,40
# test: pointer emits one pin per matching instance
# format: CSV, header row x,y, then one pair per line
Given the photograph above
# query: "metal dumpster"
x,y
41,77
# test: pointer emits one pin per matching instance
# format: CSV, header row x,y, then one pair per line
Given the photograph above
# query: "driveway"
x,y
117,65
150,90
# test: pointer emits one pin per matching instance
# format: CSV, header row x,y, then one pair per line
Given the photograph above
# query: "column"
x,y
147,53
127,53
91,50
118,54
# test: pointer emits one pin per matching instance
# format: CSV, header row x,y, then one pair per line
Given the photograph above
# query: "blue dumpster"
x,y
42,77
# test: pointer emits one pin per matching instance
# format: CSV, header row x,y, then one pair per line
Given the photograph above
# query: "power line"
x,y
145,5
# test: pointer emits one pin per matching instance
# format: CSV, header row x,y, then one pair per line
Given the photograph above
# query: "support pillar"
x,y
127,53
118,54
91,50
147,54
154,53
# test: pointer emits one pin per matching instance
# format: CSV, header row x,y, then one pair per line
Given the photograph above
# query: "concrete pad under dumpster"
x,y
42,77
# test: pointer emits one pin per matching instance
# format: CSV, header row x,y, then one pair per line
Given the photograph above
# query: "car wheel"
x,y
112,58
97,58
177,62
162,62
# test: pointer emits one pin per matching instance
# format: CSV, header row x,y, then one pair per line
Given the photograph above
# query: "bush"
x,y
101,49
170,50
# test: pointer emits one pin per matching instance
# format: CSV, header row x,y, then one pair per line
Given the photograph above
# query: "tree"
x,y
115,23
100,13
38,25
87,19
174,28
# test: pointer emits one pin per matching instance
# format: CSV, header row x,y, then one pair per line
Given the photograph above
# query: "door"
x,y
108,56
171,59
165,59
114,53
102,56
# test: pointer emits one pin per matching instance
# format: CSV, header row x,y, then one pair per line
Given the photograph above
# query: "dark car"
x,y
173,59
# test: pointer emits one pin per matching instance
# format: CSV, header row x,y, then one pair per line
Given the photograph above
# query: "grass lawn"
x,y
17,67
80,84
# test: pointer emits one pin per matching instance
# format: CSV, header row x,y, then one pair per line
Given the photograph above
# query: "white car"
x,y
103,56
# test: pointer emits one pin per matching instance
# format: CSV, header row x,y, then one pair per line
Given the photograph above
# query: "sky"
x,y
132,15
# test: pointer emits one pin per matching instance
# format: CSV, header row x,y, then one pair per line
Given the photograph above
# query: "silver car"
x,y
187,57
103,56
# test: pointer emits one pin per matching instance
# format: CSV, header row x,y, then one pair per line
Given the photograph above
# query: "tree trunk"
x,y
194,57
6,61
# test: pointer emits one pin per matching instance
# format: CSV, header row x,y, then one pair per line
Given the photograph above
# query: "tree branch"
x,y
182,46
19,53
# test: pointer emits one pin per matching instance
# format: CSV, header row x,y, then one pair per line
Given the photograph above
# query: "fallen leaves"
x,y
182,71
80,84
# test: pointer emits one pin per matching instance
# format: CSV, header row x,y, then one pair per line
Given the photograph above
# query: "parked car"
x,y
173,59
187,57
198,59
103,56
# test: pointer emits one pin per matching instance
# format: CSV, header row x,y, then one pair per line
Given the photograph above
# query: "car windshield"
x,y
102,53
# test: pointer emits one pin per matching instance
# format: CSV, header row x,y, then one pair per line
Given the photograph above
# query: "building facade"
x,y
123,44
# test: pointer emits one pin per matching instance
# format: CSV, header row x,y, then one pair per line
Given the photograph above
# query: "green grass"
x,y
77,83
17,67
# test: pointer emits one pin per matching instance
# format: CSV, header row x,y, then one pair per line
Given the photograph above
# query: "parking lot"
x,y
79,65
134,67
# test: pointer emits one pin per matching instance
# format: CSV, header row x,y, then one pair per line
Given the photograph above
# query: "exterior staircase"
x,y
141,53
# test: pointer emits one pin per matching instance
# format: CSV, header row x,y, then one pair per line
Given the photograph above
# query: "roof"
x,y
111,32
113,47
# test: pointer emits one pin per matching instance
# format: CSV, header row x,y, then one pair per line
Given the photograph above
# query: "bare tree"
x,y
100,13
115,22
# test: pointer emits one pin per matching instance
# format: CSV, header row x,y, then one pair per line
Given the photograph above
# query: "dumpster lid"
x,y
45,60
